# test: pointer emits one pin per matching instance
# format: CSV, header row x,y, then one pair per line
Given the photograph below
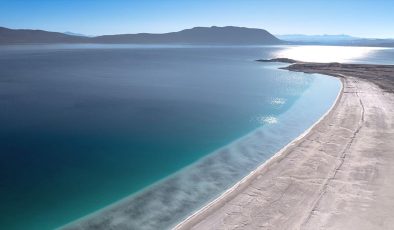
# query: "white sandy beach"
x,y
338,176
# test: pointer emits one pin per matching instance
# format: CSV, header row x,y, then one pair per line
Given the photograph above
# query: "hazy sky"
x,y
364,18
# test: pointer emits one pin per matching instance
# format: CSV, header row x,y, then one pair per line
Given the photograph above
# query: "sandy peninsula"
x,y
340,175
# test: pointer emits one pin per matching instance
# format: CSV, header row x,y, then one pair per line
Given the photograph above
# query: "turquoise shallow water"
x,y
85,126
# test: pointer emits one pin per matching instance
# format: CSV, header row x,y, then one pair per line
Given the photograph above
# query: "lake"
x,y
167,128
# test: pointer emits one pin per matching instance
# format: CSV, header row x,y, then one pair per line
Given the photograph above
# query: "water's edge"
x,y
153,198
244,182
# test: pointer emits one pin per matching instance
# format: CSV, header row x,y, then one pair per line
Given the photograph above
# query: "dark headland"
x,y
381,75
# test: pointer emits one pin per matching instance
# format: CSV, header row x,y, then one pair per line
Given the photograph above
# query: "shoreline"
x,y
120,210
278,156
331,176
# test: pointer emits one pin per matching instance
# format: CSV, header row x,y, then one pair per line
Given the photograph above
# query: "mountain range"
x,y
316,38
340,39
228,35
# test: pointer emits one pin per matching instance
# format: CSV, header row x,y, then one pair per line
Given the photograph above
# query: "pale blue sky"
x,y
364,18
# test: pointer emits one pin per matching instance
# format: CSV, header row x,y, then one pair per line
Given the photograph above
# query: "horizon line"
x,y
97,35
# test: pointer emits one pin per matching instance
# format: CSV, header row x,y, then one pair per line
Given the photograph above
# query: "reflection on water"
x,y
326,53
270,120
168,202
94,124
278,101
106,121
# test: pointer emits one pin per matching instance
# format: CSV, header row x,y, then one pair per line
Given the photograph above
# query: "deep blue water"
x,y
84,126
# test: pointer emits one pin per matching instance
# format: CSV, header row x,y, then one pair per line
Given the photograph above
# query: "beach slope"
x,y
338,176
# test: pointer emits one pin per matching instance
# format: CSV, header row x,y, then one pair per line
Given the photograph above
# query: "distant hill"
x,y
10,36
317,38
341,39
75,34
229,35
373,42
198,35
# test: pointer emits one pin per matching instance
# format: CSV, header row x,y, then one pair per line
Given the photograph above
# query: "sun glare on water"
x,y
325,53
268,120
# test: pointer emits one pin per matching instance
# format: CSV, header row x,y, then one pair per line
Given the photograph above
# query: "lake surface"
x,y
83,126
